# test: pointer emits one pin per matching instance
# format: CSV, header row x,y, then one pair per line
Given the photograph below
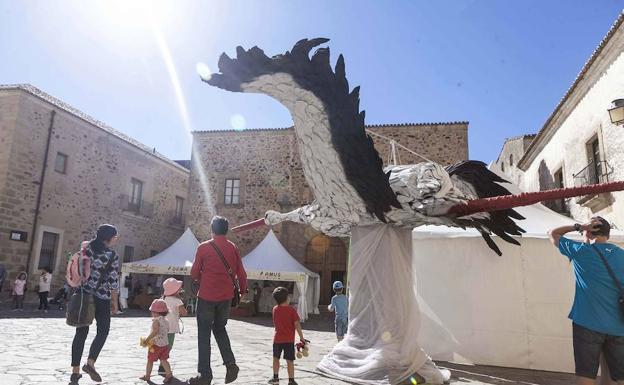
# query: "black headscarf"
x,y
104,233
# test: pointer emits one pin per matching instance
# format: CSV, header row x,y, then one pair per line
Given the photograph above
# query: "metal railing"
x,y
142,207
593,173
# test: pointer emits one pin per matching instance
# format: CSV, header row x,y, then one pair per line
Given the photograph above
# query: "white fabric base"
x,y
384,319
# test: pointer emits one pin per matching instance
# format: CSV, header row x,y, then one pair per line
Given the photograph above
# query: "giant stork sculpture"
x,y
353,192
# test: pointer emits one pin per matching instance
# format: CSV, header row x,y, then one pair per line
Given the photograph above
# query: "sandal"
x,y
144,378
168,379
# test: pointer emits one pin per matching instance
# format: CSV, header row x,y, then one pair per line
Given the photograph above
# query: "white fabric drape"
x,y
316,293
381,346
302,305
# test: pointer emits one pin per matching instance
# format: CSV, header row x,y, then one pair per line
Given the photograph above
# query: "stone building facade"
x,y
62,173
242,174
513,150
579,145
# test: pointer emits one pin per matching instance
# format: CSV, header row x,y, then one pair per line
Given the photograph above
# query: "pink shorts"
x,y
160,353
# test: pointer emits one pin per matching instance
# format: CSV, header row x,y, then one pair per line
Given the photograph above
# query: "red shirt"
x,y
284,318
215,284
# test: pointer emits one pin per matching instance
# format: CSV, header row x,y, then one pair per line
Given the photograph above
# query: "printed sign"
x,y
19,236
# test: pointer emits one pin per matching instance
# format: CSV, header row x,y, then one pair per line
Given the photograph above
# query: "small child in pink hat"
x,y
172,289
157,342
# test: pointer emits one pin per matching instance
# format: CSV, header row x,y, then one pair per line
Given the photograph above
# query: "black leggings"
x,y
43,300
102,318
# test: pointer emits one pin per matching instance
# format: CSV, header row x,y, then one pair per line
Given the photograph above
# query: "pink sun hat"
x,y
159,306
172,286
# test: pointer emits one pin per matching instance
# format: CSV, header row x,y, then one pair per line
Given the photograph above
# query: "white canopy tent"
x,y
508,311
176,259
270,261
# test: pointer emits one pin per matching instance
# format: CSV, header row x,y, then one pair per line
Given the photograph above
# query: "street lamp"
x,y
617,112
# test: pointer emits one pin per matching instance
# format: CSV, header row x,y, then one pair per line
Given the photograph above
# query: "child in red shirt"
x,y
286,321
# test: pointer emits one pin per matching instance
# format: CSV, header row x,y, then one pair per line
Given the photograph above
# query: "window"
x,y
510,160
179,210
560,204
503,166
128,253
595,174
49,245
61,163
232,191
137,194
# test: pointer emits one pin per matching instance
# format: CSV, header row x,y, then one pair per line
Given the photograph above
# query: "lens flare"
x,y
386,336
238,122
196,156
413,380
203,71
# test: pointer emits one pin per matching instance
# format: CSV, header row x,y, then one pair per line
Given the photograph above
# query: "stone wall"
x,y
268,166
98,175
512,151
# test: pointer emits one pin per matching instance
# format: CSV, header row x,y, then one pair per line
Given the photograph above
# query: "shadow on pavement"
x,y
323,322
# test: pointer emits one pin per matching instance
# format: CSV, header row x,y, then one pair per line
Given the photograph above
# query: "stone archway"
x,y
328,257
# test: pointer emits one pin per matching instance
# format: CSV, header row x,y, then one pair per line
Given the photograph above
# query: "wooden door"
x,y
326,256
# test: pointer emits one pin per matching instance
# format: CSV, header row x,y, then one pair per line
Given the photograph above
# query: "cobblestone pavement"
x,y
35,349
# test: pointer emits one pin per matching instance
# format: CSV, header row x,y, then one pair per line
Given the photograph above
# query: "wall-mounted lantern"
x,y
616,113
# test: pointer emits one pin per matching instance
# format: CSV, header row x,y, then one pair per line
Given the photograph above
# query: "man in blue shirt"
x,y
598,323
340,305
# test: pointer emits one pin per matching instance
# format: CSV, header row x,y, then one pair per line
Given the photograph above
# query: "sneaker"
x,y
232,373
161,371
292,382
274,381
73,379
199,380
90,370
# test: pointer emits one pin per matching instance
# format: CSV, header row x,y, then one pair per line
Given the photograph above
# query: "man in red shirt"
x,y
214,299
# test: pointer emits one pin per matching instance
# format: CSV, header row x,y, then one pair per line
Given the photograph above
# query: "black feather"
x,y
487,184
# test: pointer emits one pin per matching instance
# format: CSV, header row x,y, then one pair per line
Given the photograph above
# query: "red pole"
x,y
525,199
503,202
248,226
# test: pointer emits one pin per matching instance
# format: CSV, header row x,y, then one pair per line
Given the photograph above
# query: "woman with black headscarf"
x,y
104,264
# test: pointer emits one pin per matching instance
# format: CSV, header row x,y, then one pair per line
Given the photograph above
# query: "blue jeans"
x,y
212,317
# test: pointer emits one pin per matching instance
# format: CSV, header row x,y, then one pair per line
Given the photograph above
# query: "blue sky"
x,y
500,65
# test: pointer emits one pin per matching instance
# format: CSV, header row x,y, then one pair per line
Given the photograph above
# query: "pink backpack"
x,y
79,267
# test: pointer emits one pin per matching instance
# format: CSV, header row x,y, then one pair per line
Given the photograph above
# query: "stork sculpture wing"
x,y
317,95
339,160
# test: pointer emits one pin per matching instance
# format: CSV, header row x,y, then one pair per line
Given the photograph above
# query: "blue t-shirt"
x,y
596,298
341,305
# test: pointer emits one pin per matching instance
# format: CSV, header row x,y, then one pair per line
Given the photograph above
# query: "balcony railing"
x,y
142,207
593,173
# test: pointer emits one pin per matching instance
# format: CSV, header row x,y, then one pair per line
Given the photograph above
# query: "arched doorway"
x,y
327,257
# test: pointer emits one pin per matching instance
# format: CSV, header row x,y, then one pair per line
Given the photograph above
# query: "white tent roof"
x,y
271,261
176,259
